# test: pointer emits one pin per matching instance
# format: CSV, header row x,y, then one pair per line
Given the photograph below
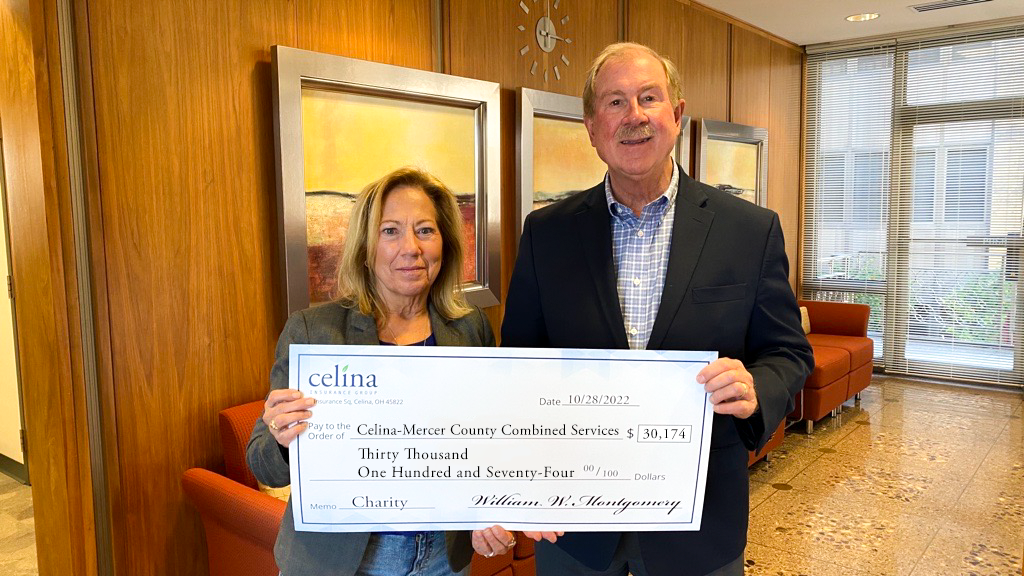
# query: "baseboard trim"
x,y
14,469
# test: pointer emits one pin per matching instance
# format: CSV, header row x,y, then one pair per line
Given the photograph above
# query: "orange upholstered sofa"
x,y
842,358
241,522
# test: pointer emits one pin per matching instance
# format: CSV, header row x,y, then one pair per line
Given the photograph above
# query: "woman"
x,y
399,278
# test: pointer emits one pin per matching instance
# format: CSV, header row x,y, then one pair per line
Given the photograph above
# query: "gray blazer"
x,y
339,554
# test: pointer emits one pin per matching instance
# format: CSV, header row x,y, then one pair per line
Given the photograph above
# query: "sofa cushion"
x,y
816,403
860,378
861,349
830,364
838,317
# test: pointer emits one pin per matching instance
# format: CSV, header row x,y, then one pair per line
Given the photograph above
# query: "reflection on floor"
x,y
920,479
17,529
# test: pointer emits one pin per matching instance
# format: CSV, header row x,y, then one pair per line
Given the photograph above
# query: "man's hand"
x,y
731,387
549,536
493,541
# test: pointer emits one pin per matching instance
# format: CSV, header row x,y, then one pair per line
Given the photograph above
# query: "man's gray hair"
x,y
618,51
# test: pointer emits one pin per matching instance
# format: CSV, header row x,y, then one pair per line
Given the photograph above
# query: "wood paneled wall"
x,y
484,42
396,32
185,194
784,129
705,65
751,76
184,143
765,92
660,24
178,146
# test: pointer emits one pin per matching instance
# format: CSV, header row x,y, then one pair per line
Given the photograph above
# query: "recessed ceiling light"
x,y
862,17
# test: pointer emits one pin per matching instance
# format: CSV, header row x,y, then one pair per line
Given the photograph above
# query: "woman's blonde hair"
x,y
357,284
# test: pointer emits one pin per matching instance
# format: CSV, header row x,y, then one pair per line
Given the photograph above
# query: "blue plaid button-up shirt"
x,y
640,248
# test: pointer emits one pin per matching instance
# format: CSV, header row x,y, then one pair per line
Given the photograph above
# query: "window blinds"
x,y
914,189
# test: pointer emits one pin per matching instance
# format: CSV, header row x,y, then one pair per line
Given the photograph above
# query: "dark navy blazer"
x,y
726,289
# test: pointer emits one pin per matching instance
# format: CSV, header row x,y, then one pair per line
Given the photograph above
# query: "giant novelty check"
x,y
442,438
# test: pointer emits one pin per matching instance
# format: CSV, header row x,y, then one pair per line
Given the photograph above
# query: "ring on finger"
x,y
273,425
511,544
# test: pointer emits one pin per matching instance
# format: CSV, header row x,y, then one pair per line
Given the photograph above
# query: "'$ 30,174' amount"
x,y
662,433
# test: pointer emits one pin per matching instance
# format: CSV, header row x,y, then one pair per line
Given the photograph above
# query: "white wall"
x,y
10,402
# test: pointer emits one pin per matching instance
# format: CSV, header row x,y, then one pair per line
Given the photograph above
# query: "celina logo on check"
x,y
340,377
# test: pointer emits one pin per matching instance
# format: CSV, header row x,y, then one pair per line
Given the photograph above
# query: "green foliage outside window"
x,y
979,308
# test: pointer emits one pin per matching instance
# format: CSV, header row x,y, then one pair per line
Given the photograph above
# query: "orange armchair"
x,y
241,522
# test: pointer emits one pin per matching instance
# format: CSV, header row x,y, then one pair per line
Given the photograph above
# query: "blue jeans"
x,y
412,554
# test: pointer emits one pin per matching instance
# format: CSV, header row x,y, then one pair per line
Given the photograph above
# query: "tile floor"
x,y
921,479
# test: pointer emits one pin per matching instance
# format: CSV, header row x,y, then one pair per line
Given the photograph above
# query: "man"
x,y
652,259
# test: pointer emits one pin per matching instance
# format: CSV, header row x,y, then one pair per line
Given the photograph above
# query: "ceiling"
x,y
806,22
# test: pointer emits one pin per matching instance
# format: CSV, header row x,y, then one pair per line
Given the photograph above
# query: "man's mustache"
x,y
638,132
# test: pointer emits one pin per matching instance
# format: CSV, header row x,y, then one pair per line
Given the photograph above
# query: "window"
x,y
849,100
924,186
870,175
966,186
833,171
915,198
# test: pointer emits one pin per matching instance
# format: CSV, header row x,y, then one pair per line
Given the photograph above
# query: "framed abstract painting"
x,y
342,123
734,158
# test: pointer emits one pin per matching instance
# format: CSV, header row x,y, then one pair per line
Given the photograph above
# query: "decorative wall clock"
x,y
544,34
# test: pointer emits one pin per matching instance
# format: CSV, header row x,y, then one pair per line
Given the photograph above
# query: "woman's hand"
x,y
285,413
493,541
